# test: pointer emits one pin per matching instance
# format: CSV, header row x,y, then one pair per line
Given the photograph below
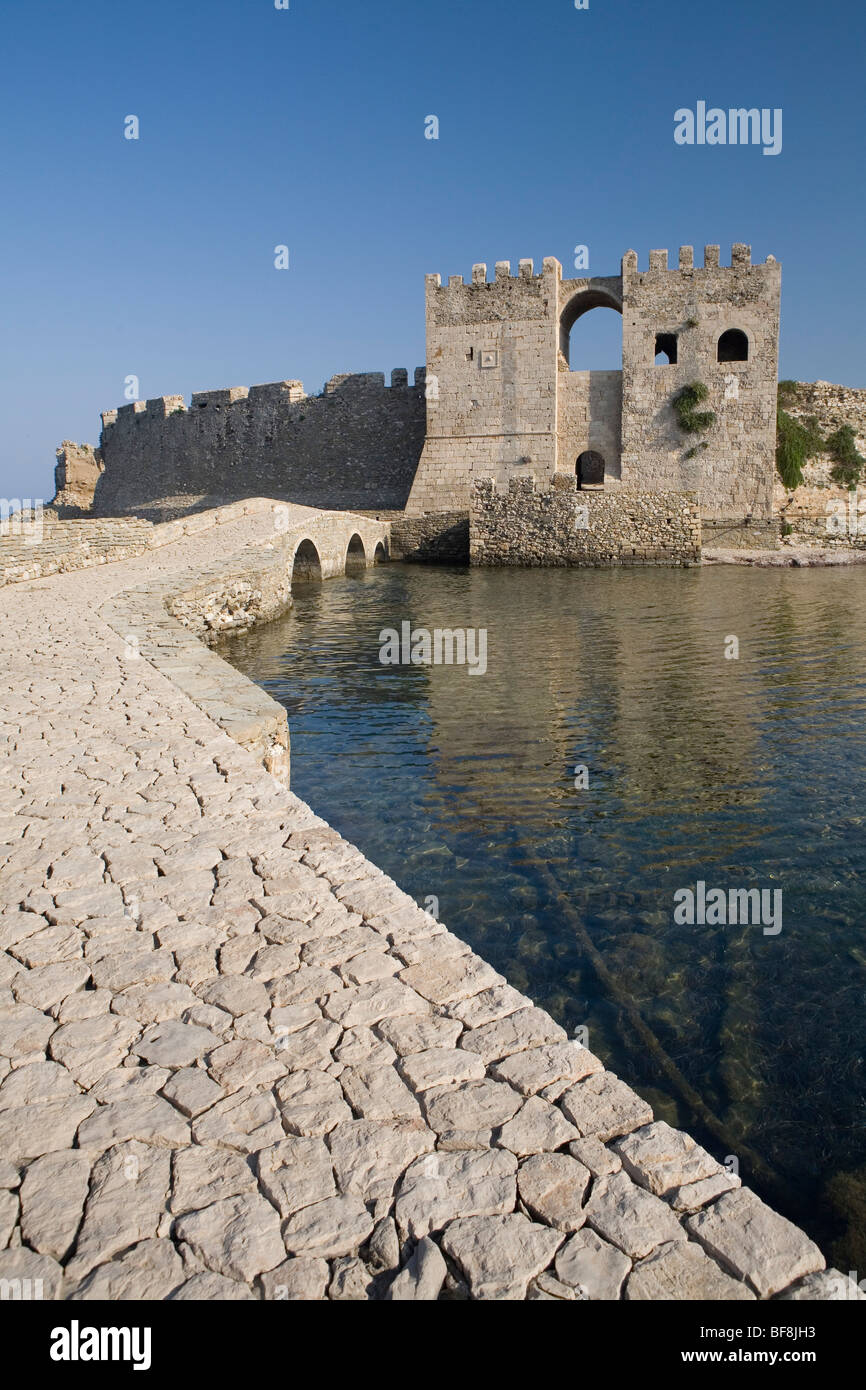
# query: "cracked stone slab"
x,y
29,1131
192,1091
595,1156
369,1156
473,1105
154,1003
592,1266
661,1159
411,1033
243,1062
202,1176
695,1195
296,1173
24,1030
515,1033
128,1196
422,1277
371,1003
753,1242
237,994
302,1279
361,1045
604,1106
448,981
311,1103
683,1271
175,1044
337,1226
52,1201
440,1066
246,1121
530,1071
499,1255
238,1237
148,1118
537,1126
552,1187
150,1270
438,1187
93,1046
37,1082
308,1047
48,985
378,1093
629,1217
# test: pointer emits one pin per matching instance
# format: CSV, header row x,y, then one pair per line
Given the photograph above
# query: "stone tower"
x,y
502,401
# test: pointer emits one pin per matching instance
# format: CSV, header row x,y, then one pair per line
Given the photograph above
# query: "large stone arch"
x,y
589,294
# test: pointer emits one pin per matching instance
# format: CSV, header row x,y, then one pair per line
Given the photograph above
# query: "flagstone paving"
x,y
236,1061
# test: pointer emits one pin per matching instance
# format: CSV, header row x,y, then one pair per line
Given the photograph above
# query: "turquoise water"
x,y
738,772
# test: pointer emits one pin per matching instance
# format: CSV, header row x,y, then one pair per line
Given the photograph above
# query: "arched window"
x,y
590,469
666,349
733,346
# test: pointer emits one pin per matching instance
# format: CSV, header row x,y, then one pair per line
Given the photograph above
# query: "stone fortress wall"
x,y
355,446
821,513
561,525
498,400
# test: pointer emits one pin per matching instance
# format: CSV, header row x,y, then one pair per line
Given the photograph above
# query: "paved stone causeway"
x,y
237,1062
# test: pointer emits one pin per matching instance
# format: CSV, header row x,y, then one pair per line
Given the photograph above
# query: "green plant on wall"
x,y
796,440
847,468
689,418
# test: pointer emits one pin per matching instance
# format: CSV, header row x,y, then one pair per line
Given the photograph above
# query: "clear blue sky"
x,y
306,127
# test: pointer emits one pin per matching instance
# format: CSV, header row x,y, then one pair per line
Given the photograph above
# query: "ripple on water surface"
x,y
745,772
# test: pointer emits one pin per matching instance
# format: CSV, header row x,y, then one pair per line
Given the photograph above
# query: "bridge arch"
x,y
307,564
381,553
356,556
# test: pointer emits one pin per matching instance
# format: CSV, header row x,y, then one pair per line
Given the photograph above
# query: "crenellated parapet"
x,y
356,444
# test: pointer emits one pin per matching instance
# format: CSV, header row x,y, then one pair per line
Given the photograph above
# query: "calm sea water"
x,y
745,772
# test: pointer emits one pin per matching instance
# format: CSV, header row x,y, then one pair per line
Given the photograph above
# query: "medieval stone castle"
x,y
550,465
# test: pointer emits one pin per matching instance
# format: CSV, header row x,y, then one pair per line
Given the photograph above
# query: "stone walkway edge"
x,y
236,1060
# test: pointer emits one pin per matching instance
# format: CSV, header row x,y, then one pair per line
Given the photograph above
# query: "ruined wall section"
x,y
356,446
559,525
76,474
491,381
733,476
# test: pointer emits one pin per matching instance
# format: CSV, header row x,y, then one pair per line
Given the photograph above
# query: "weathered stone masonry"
x,y
355,446
502,402
497,400
561,525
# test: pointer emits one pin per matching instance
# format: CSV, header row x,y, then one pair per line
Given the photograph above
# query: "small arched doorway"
x,y
307,564
356,559
590,469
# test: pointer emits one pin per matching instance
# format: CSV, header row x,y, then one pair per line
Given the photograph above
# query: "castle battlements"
x,y
272,393
501,395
